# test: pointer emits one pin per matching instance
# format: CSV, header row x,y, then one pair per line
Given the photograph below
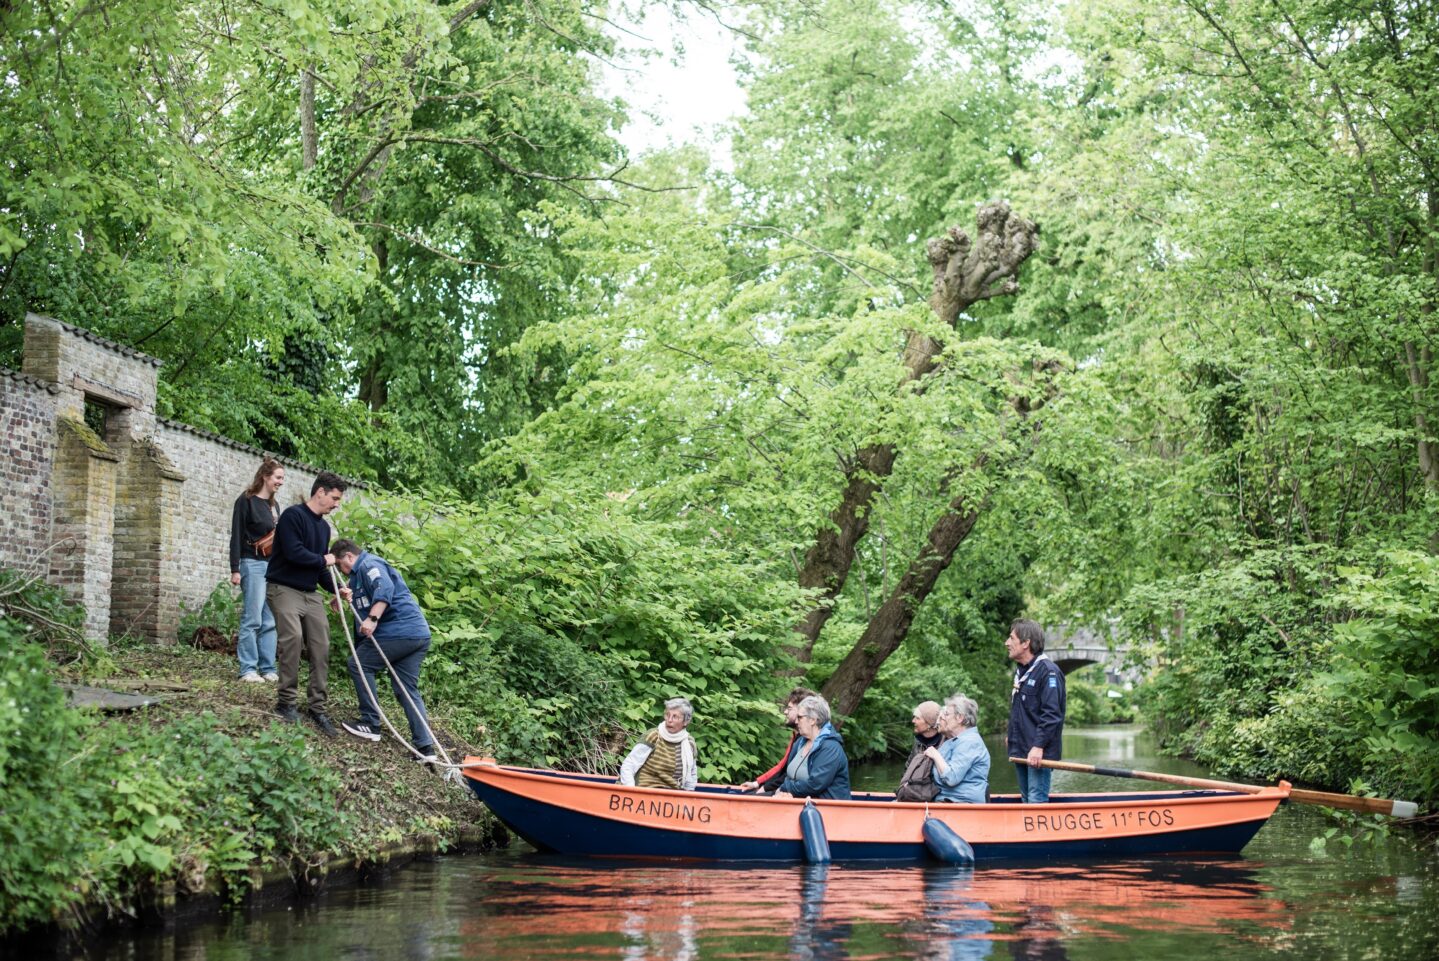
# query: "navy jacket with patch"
x,y
1036,712
373,579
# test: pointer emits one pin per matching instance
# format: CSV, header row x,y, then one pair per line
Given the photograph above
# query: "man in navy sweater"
x,y
298,565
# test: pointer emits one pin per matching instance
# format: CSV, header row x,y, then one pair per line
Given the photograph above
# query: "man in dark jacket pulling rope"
x,y
389,617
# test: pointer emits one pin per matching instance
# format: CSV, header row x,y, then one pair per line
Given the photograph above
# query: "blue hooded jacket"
x,y
828,769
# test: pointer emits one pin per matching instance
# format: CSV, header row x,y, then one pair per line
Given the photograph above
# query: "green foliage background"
x,y
626,388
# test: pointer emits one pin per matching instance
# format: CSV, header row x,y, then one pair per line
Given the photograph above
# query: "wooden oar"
x,y
1350,802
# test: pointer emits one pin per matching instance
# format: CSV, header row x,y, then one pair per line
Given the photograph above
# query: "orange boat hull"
x,y
592,815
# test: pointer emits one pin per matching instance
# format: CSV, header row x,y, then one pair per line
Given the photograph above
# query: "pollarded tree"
x,y
965,272
696,392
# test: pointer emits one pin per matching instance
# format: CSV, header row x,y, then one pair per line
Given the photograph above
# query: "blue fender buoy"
x,y
811,825
945,843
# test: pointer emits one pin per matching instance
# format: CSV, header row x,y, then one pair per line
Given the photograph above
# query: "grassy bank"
x,y
201,797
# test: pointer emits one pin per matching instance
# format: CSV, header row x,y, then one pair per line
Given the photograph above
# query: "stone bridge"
x,y
1074,647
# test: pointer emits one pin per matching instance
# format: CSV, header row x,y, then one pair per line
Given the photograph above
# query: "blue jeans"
x,y
405,656
1033,783
256,649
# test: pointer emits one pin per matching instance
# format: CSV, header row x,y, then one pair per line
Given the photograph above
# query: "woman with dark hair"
x,y
252,534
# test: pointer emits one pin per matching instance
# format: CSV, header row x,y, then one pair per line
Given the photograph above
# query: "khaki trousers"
x,y
300,619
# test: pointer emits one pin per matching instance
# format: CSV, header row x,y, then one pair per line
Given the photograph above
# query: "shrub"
x,y
562,623
91,812
43,828
1384,674
49,612
1084,702
1280,674
259,799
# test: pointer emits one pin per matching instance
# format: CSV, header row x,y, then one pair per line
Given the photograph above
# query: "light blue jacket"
x,y
966,779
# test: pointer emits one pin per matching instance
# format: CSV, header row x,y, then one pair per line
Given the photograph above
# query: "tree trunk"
x,y
965,272
309,139
890,624
1419,358
374,382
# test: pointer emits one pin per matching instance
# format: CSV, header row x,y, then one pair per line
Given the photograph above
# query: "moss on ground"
x,y
392,797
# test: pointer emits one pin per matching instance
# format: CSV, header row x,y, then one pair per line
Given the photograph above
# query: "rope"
x,y
451,767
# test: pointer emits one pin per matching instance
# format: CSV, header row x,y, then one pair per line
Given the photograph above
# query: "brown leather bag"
x,y
918,781
265,546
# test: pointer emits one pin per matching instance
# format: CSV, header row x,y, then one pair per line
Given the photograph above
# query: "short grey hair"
x,y
815,707
683,705
965,709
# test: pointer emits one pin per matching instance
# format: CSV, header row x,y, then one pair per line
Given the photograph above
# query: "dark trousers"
x,y
405,656
300,619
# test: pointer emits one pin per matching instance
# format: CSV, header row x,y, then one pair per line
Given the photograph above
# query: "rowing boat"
x,y
592,815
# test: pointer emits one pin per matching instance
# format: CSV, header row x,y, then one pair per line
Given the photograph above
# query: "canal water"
x,y
1282,898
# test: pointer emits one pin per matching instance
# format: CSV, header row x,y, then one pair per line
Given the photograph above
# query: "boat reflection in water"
x,y
563,908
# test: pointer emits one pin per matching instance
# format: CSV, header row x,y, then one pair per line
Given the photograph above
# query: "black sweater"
x,y
251,520
302,539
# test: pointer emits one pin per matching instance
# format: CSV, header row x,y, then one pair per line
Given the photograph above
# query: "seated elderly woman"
x,y
665,756
819,768
917,783
961,762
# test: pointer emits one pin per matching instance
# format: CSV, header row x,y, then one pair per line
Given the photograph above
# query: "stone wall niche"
x,y
146,564
83,490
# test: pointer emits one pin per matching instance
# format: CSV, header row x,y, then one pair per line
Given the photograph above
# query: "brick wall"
x,y
216,469
142,513
83,496
27,425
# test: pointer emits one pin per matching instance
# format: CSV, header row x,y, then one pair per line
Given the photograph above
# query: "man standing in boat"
x,y
1036,710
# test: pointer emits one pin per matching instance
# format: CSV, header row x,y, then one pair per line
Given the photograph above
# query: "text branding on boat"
x,y
1096,821
660,809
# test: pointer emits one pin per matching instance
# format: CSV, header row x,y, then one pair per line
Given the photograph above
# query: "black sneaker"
x,y
323,722
360,729
287,713
428,754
